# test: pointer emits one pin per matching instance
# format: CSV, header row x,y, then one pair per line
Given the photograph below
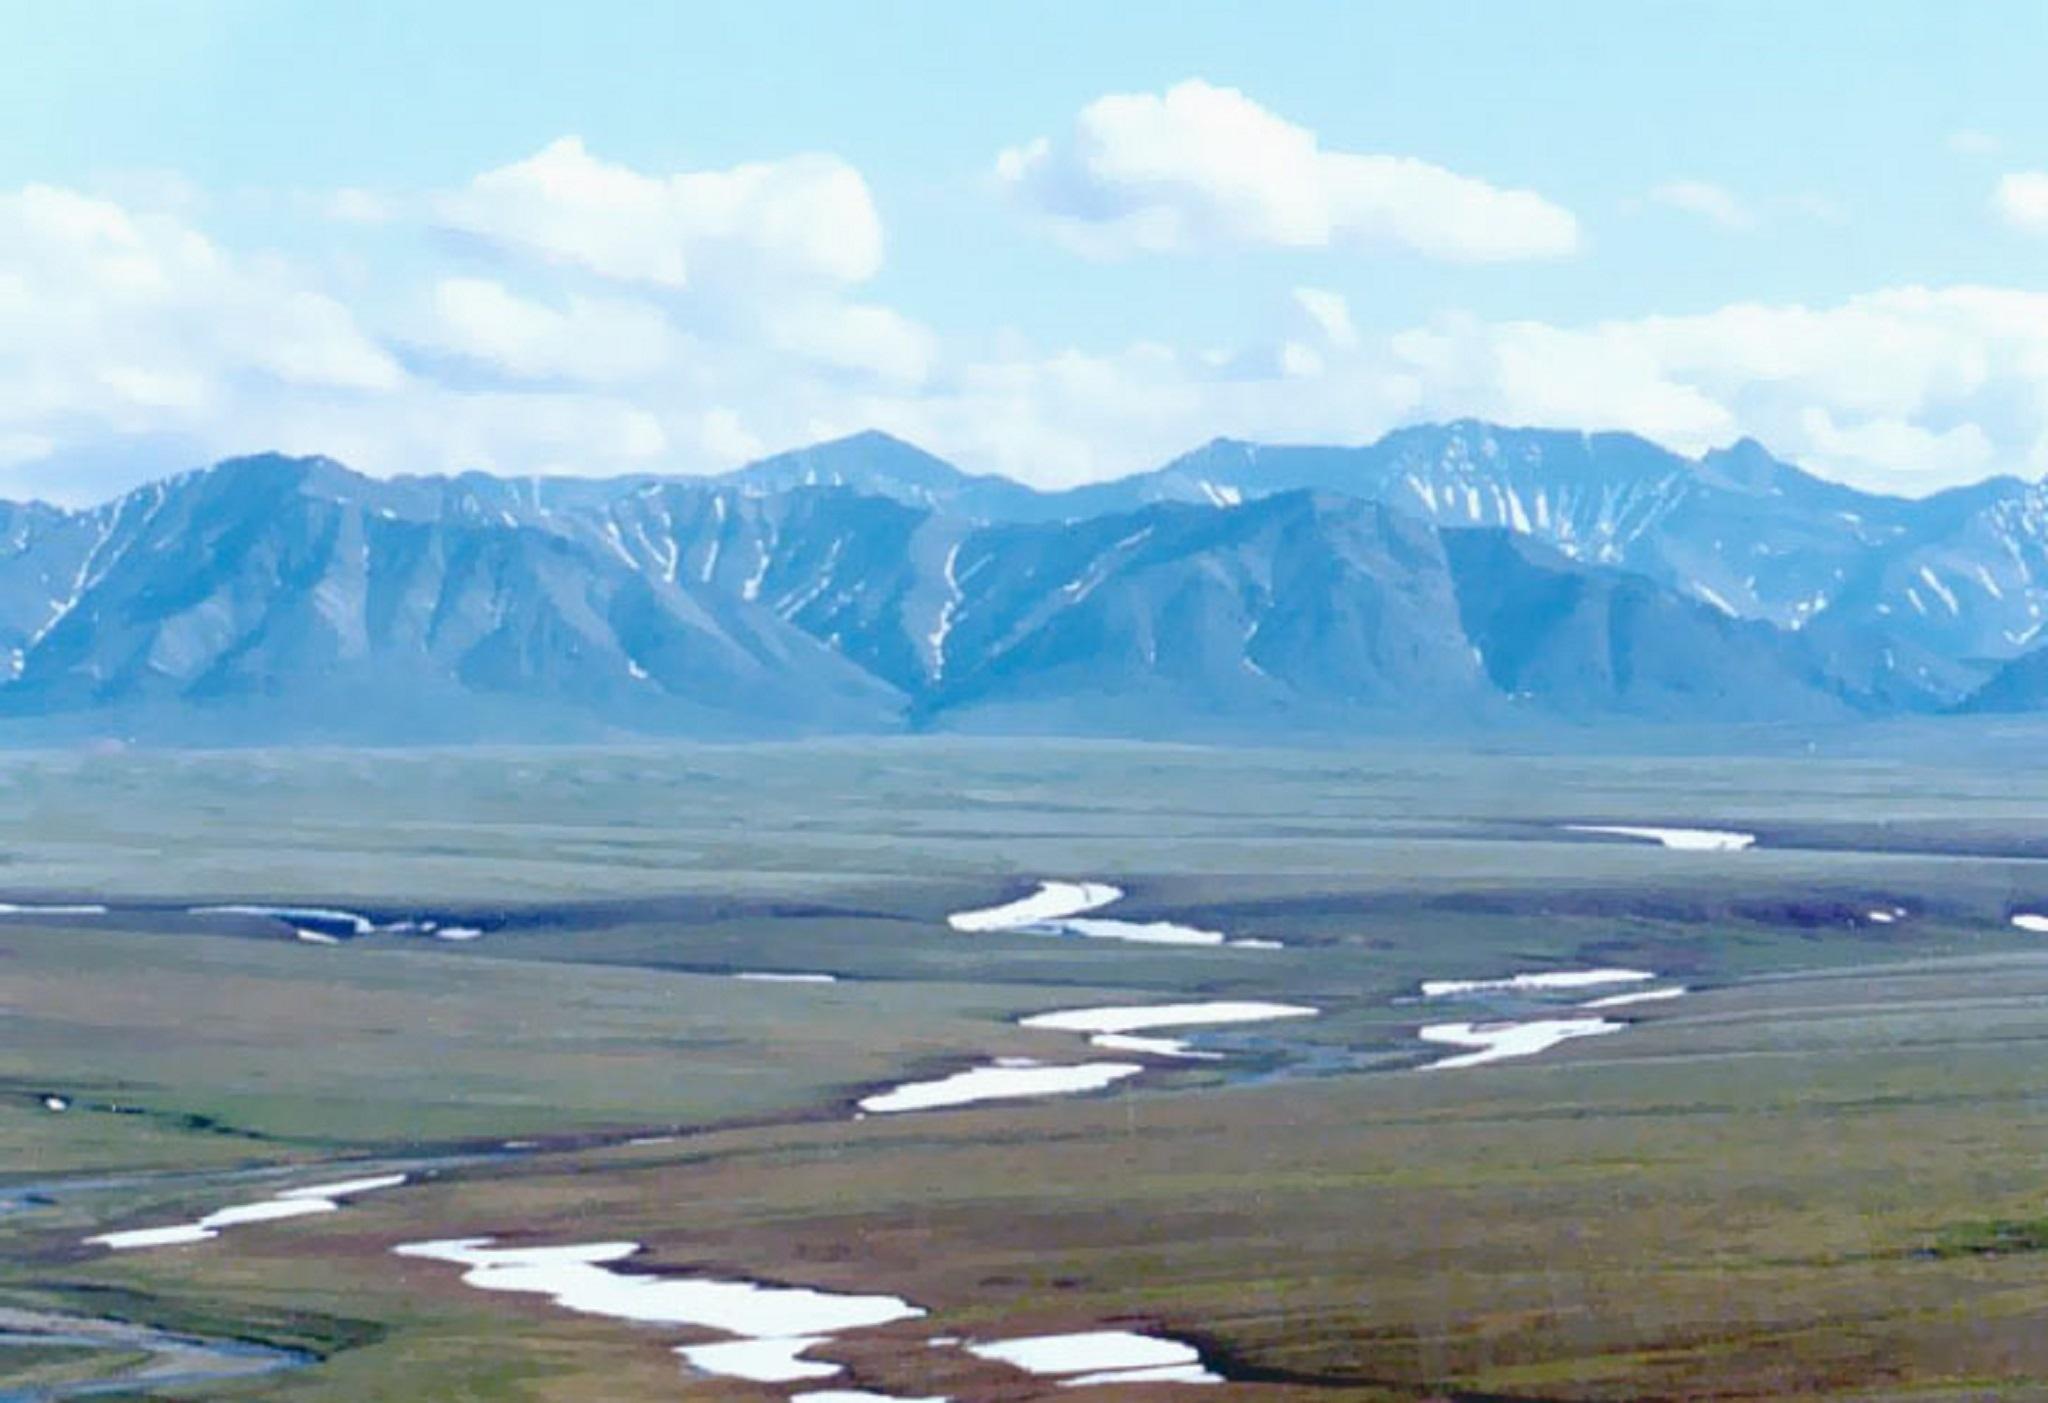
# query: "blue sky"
x,y
1691,220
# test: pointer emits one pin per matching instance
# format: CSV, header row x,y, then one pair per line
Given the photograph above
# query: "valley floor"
x,y
498,995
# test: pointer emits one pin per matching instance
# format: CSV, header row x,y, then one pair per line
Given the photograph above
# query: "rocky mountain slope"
x,y
1444,575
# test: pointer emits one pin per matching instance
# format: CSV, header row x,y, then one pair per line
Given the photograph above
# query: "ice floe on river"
x,y
1007,1079
1524,983
1500,1039
1053,901
1141,932
2031,922
775,1325
774,1329
328,925
1640,996
18,908
774,976
1117,1027
1719,840
296,916
761,1361
1496,1042
1061,908
288,1203
1100,1357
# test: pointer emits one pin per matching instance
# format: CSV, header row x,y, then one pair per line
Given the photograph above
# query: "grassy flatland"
x,y
1818,1177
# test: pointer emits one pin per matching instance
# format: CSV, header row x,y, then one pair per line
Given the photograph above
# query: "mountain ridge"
x,y
1461,572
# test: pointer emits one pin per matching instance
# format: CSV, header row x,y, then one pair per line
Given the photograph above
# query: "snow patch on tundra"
x,y
1010,1079
1053,901
1720,840
1497,1042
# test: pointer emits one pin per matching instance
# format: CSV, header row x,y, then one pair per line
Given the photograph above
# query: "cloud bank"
x,y
1201,166
567,313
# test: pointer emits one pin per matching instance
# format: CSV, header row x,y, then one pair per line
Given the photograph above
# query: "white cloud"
x,y
854,336
1973,143
1331,314
1906,388
1705,200
132,344
1201,166
807,216
131,322
2022,200
594,340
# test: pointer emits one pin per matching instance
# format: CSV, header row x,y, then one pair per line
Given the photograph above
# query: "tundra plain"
x,y
1815,1174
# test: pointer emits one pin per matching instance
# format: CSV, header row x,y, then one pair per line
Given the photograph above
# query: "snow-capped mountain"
x,y
1448,573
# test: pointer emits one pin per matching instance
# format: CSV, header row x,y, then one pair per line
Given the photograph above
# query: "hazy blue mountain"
x,y
878,465
1584,641
2020,685
1922,597
301,595
1446,574
1174,614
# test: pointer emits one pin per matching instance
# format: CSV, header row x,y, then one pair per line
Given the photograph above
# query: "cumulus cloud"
x,y
1331,314
132,343
1705,200
855,336
1200,166
589,339
808,216
112,321
1906,388
2022,201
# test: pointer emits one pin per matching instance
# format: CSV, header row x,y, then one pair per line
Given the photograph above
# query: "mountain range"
x,y
1445,575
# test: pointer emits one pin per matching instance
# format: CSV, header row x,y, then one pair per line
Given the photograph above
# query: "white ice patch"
x,y
1528,983
1643,996
2029,921
856,1395
288,1203
1092,1351
1009,1080
1164,1374
16,908
578,1277
346,1188
153,1237
1053,901
1059,908
267,1210
1718,840
1138,932
315,937
1152,1047
1496,1042
1111,1028
361,925
456,933
774,1361
773,976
